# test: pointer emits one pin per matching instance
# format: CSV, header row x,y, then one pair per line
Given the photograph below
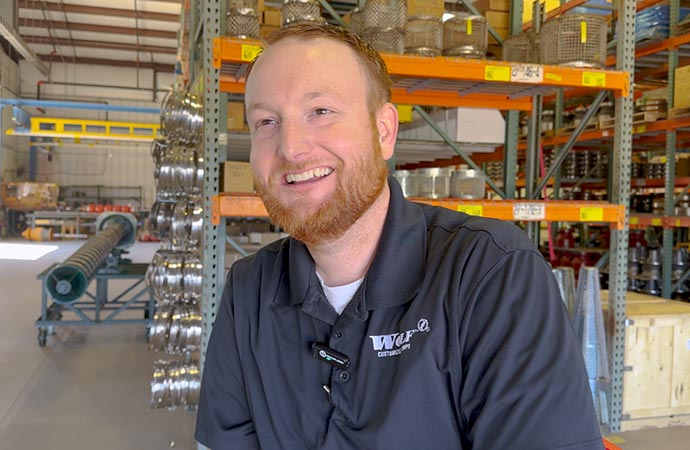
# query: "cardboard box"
x,y
502,32
236,116
681,89
432,8
273,17
529,4
237,177
491,5
498,19
30,196
265,30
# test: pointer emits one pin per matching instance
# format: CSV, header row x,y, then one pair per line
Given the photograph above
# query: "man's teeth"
x,y
308,175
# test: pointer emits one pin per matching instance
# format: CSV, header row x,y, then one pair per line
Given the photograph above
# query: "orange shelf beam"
x,y
537,210
247,205
646,220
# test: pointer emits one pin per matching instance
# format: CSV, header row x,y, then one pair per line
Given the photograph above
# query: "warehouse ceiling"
x,y
124,33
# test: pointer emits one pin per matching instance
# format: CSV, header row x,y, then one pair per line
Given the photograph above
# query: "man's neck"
x,y
348,258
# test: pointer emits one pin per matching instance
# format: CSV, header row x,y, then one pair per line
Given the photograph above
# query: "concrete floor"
x,y
89,387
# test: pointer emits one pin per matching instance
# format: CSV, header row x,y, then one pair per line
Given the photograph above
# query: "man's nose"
x,y
295,143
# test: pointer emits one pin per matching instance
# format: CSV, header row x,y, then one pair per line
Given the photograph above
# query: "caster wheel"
x,y
42,337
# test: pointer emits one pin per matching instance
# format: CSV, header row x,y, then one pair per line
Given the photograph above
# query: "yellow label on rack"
x,y
497,73
553,77
583,32
249,52
634,221
469,27
678,222
656,222
593,79
591,214
640,129
472,210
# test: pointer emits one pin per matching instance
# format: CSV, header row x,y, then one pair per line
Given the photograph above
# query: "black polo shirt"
x,y
457,339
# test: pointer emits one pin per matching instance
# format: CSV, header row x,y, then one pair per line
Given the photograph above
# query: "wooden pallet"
x,y
648,116
674,113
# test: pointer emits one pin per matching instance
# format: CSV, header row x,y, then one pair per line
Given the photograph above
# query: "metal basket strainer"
x,y
385,41
301,12
578,41
522,48
423,35
242,23
465,35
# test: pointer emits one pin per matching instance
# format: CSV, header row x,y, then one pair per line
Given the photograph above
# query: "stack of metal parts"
x,y
182,118
523,47
297,12
634,258
384,25
242,19
565,277
175,383
657,107
649,281
654,170
683,206
175,273
465,35
494,170
588,323
577,40
590,164
680,265
434,182
423,36
467,184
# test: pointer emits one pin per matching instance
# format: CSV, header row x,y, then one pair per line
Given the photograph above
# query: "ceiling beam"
x,y
75,26
109,62
97,10
45,40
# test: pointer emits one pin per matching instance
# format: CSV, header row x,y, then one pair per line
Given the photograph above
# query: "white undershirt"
x,y
340,296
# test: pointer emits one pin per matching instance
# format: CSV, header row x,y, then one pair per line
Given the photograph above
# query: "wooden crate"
x,y
656,379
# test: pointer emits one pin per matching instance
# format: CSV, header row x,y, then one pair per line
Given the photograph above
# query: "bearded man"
x,y
379,323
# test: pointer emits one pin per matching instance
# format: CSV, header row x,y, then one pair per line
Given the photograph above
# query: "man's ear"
x,y
387,128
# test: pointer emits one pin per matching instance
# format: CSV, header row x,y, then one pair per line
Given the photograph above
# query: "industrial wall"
x,y
12,160
91,162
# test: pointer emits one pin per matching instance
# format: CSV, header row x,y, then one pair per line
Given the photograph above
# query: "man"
x,y
380,323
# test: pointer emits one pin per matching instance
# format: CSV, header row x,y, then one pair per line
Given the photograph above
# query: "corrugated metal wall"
x,y
128,164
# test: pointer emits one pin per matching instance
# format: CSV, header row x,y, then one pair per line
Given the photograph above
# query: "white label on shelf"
x,y
222,138
529,211
526,73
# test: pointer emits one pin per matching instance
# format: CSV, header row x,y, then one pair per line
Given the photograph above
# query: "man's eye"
x,y
322,111
266,122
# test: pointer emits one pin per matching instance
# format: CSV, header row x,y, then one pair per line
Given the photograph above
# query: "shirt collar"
x,y
397,270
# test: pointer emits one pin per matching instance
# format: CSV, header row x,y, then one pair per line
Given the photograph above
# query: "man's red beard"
x,y
358,187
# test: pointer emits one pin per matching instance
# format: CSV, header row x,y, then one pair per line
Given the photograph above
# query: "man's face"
x,y
315,155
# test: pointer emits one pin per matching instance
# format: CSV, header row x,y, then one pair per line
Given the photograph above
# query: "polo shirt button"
x,y
338,335
344,376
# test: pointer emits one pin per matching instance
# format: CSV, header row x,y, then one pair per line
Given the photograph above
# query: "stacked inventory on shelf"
x,y
175,273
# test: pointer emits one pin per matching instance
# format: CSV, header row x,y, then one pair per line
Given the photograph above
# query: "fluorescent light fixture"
x,y
20,45
447,16
25,252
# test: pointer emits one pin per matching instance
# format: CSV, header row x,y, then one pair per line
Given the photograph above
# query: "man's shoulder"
x,y
478,230
265,256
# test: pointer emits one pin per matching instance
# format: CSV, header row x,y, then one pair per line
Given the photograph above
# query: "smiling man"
x,y
380,323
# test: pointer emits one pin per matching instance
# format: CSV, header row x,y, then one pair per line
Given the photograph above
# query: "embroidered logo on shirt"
x,y
394,344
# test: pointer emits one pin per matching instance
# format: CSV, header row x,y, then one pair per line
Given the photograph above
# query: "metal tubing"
x,y
571,141
69,281
457,150
76,105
